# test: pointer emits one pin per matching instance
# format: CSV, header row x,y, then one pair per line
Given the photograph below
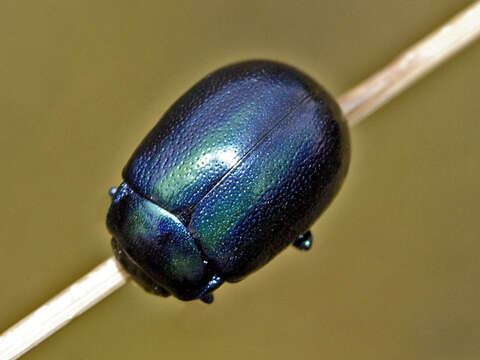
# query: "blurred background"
x,y
394,270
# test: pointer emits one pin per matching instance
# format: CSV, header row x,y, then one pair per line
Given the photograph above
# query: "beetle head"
x,y
155,247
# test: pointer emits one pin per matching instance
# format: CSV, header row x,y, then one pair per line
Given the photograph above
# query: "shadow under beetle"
x,y
235,171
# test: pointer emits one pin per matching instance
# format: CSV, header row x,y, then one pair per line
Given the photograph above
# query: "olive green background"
x,y
394,272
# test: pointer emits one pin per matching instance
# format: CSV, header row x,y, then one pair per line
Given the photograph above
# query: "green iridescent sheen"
x,y
214,150
182,261
220,215
239,167
140,224
190,151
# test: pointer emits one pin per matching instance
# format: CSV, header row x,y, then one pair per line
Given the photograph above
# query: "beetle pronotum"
x,y
356,104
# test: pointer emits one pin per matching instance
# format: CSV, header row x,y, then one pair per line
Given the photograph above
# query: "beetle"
x,y
235,171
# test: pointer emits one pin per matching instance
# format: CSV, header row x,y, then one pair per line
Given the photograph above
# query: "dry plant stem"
x,y
411,65
60,310
356,104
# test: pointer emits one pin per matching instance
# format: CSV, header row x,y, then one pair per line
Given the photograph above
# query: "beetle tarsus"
x,y
207,299
112,191
304,241
206,294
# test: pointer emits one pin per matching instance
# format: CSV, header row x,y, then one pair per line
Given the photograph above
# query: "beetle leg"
x,y
304,241
206,294
112,191
208,299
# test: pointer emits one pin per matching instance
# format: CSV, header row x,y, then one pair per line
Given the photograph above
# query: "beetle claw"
x,y
112,191
208,299
304,241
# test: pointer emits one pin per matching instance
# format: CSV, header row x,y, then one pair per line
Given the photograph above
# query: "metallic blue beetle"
x,y
236,170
